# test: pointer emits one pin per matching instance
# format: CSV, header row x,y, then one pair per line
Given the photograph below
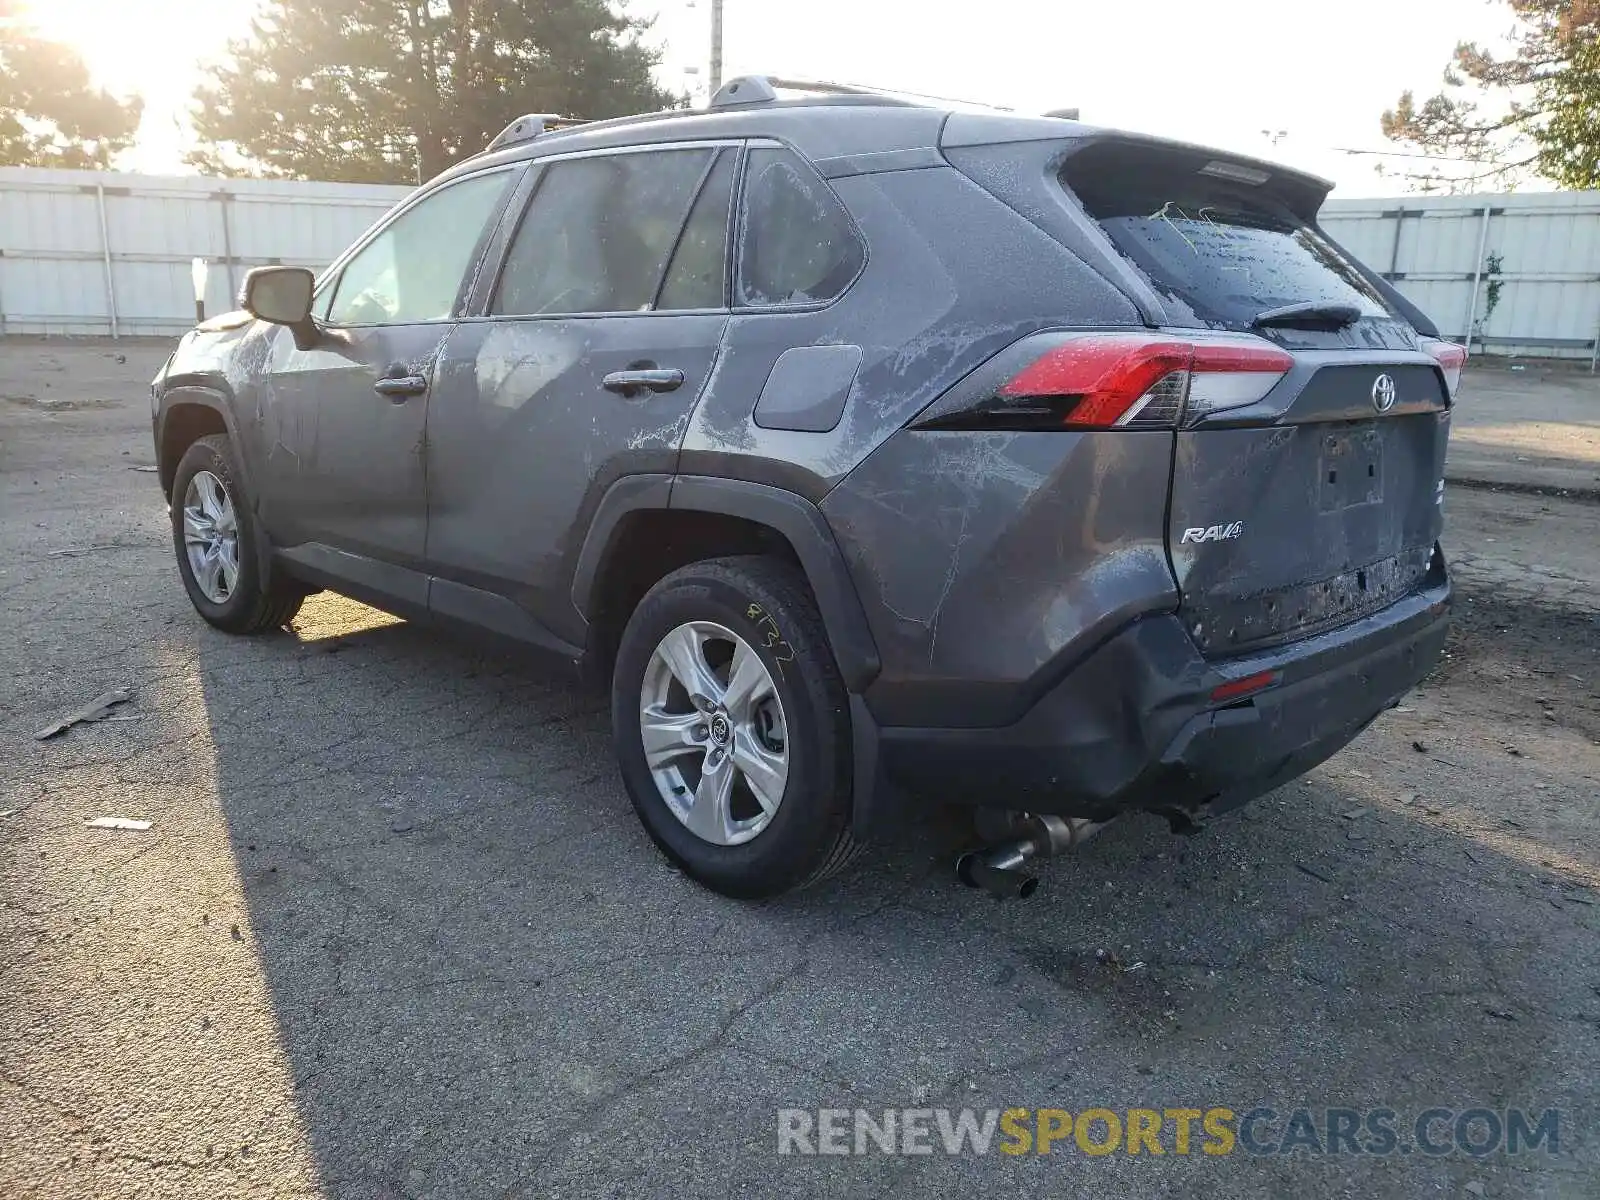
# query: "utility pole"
x,y
716,46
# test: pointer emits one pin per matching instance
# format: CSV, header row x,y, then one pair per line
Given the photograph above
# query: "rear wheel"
x,y
732,730
215,536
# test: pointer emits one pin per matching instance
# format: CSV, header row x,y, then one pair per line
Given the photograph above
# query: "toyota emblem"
x,y
1383,393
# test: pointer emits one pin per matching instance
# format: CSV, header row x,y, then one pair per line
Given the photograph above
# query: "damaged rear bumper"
x,y
1134,725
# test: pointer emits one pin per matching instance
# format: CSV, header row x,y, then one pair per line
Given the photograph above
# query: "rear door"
x,y
1313,499
592,347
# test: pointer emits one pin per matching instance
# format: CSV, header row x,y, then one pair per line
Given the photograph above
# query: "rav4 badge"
x,y
1214,533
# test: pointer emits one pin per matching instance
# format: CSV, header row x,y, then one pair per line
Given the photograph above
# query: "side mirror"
x,y
281,295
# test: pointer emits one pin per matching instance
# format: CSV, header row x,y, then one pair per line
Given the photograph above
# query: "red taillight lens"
x,y
1451,358
1101,381
1106,375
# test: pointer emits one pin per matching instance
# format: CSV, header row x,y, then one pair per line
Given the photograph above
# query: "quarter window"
x,y
412,271
598,233
798,245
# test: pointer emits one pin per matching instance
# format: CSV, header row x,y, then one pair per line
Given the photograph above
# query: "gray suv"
x,y
864,450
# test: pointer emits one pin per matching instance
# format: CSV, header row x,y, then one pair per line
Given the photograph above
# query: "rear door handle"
x,y
399,387
634,381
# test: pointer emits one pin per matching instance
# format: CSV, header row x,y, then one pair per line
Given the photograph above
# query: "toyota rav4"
x,y
865,450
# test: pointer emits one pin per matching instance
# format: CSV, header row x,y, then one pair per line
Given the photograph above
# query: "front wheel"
x,y
732,729
214,534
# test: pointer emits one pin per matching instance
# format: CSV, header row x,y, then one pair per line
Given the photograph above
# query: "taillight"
x,y
1450,357
1121,380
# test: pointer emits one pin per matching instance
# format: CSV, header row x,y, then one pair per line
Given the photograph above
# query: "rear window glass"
x,y
1223,251
798,245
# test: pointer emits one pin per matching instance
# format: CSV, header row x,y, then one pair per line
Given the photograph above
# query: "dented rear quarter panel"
x,y
978,559
952,277
988,562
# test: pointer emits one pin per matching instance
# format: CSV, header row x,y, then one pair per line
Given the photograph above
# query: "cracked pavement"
x,y
395,931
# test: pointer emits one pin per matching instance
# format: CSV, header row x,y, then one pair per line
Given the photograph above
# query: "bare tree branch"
x,y
1545,118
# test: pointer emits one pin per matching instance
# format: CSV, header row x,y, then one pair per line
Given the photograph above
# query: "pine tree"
x,y
50,115
395,91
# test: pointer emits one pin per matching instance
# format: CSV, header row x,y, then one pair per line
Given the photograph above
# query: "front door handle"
x,y
635,380
401,387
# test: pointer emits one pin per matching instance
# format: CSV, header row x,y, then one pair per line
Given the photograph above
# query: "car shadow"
x,y
488,982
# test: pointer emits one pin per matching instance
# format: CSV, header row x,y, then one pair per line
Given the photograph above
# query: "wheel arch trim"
x,y
195,395
795,518
198,395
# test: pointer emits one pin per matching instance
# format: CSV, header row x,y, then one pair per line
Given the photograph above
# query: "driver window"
x,y
412,271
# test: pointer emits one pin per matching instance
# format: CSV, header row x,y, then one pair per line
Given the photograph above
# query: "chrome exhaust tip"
x,y
997,869
1004,882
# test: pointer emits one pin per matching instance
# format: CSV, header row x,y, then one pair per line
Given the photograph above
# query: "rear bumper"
x,y
1133,726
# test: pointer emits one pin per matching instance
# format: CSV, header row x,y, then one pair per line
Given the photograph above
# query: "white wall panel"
x,y
53,255
53,270
1548,246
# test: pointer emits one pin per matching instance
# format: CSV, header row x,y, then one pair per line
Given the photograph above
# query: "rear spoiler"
x,y
1300,190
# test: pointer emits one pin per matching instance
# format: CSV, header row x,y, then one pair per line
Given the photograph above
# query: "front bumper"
x,y
1133,725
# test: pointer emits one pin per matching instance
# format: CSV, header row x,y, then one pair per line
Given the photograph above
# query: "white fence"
x,y
85,252
1439,251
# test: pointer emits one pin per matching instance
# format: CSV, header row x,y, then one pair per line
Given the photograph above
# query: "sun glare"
x,y
140,47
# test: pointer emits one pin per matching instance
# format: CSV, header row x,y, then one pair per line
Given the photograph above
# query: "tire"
x,y
251,604
804,836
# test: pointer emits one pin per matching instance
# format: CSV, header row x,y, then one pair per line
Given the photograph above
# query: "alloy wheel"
x,y
211,536
714,733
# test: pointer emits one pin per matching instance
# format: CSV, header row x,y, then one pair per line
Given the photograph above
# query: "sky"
x,y
1297,83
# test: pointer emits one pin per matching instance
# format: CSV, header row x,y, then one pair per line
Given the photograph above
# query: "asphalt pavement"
x,y
393,930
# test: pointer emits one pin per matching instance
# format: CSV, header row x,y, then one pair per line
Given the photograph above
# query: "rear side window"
x,y
1225,251
597,235
798,244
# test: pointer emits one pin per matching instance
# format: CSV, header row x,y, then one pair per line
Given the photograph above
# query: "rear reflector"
x,y
1102,381
1451,358
1249,685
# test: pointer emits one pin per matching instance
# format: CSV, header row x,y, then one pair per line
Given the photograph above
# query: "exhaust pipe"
x,y
998,869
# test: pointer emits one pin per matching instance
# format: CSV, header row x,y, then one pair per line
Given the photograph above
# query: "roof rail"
x,y
763,89
529,126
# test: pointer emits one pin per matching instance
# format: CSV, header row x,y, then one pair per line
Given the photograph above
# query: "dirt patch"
x,y
1588,494
59,403
1525,659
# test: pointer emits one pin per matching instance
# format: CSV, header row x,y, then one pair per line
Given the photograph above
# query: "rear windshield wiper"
x,y
1309,312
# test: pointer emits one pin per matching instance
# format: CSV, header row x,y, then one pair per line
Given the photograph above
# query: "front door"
x,y
344,460
596,342
344,423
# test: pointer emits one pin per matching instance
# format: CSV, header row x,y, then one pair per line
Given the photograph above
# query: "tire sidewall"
x,y
814,804
205,456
